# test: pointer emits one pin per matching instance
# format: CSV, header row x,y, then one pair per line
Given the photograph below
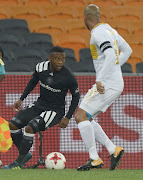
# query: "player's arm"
x,y
2,71
125,49
73,86
30,86
102,40
2,76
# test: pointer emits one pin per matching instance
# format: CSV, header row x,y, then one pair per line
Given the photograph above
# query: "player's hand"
x,y
100,88
16,106
64,122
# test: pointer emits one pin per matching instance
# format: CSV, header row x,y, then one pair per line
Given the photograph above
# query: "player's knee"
x,y
12,126
29,129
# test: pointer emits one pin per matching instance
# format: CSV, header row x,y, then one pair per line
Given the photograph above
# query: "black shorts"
x,y
37,118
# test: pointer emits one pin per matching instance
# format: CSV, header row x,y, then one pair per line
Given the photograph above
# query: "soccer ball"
x,y
55,160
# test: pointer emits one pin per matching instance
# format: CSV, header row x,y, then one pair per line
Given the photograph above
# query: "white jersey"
x,y
103,36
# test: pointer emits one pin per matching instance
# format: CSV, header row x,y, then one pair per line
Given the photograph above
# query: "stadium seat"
x,y
70,2
28,56
74,25
137,50
126,68
122,25
15,67
10,2
6,54
36,2
62,12
39,41
131,3
86,62
47,25
72,41
139,67
37,37
26,12
14,26
5,12
8,41
71,62
125,12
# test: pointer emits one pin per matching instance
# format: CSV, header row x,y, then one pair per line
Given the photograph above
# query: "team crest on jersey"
x,y
49,80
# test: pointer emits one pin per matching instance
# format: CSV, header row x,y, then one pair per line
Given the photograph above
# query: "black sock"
x,y
26,145
17,137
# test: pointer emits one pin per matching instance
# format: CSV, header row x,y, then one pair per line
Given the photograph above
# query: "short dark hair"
x,y
57,49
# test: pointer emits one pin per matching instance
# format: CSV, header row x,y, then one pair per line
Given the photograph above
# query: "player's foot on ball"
x,y
26,158
91,164
14,165
115,158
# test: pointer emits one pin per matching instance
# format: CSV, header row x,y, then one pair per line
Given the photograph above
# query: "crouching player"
x,y
49,109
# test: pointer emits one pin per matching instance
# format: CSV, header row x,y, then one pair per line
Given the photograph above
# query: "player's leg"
x,y
116,152
102,138
20,120
40,123
88,137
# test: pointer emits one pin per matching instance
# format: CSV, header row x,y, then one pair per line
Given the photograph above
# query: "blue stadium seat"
x,y
139,67
86,62
39,41
126,68
15,67
71,62
9,41
27,56
14,26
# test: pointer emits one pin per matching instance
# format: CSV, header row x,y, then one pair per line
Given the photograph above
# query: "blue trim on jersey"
x,y
2,69
88,115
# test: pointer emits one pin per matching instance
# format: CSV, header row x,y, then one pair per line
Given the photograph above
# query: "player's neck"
x,y
94,24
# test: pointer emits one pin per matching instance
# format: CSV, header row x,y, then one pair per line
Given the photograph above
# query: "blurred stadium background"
x,y
28,30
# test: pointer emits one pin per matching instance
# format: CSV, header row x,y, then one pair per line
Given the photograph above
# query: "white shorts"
x,y
94,102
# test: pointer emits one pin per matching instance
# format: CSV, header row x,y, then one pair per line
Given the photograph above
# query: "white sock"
x,y
87,134
102,138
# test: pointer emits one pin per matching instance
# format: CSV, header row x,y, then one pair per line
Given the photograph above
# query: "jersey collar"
x,y
97,25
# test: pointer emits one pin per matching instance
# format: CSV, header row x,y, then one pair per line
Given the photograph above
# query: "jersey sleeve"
x,y
121,41
125,49
73,87
31,85
2,70
101,39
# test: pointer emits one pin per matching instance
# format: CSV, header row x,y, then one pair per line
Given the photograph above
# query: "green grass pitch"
x,y
70,174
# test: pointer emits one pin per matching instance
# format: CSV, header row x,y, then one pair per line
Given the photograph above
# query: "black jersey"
x,y
53,88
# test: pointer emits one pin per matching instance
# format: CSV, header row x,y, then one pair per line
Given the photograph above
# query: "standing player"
x,y
2,69
104,45
49,109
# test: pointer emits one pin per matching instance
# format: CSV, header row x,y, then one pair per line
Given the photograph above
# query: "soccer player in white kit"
x,y
105,44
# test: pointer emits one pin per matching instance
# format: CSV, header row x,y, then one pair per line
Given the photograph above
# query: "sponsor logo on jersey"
x,y
49,88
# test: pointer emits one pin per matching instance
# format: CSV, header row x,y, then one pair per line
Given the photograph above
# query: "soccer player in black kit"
x,y
49,110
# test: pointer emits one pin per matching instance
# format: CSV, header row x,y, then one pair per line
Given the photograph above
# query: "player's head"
x,y
57,58
91,16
